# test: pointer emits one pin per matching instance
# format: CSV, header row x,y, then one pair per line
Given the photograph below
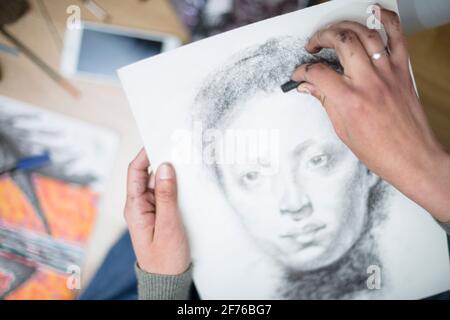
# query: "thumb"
x,y
308,88
166,196
333,114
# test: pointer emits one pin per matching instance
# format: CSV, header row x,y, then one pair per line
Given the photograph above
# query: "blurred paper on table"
x,y
275,205
47,214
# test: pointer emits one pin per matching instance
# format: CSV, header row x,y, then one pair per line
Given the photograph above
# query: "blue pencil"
x,y
8,49
28,163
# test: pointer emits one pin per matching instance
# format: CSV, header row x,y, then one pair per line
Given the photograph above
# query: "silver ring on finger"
x,y
378,55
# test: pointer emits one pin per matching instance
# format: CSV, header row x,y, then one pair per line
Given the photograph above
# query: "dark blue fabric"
x,y
116,278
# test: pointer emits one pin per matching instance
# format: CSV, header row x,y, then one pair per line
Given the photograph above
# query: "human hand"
x,y
375,111
151,212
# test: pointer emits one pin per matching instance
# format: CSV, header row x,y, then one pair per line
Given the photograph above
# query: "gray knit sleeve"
x,y
445,226
153,286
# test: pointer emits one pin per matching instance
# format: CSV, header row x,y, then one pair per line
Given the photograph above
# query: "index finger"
x,y
138,176
348,47
324,78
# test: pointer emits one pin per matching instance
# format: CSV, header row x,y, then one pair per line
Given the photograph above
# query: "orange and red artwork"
x,y
47,213
71,214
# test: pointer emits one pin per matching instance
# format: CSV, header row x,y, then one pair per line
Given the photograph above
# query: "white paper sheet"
x,y
303,228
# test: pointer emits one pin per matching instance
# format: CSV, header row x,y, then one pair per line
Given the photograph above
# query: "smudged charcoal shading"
x,y
256,69
220,98
261,68
347,277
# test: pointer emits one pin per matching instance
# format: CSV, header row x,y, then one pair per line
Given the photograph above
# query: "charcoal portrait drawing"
x,y
317,215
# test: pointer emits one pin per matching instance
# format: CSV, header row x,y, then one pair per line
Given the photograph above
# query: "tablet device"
x,y
96,51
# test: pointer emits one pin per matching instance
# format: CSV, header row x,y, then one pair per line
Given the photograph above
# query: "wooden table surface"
x,y
100,104
430,61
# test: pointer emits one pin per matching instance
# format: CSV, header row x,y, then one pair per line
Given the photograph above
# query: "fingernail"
x,y
302,89
165,172
151,183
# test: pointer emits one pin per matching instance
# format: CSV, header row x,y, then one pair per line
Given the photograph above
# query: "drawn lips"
x,y
305,233
312,228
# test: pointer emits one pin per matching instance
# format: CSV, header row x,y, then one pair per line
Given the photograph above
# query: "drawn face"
x,y
311,209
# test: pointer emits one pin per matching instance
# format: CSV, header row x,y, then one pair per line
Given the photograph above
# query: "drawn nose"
x,y
295,203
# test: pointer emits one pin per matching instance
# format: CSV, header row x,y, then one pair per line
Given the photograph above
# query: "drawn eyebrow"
x,y
238,170
299,149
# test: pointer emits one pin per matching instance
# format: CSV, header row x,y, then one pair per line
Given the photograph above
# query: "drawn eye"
x,y
318,161
251,178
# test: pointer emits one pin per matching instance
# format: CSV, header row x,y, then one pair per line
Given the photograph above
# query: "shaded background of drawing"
x,y
46,215
227,263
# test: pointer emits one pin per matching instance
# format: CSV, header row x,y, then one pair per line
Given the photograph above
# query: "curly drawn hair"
x,y
261,68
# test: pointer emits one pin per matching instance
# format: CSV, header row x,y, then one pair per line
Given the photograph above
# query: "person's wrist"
x,y
425,179
434,191
163,265
164,272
